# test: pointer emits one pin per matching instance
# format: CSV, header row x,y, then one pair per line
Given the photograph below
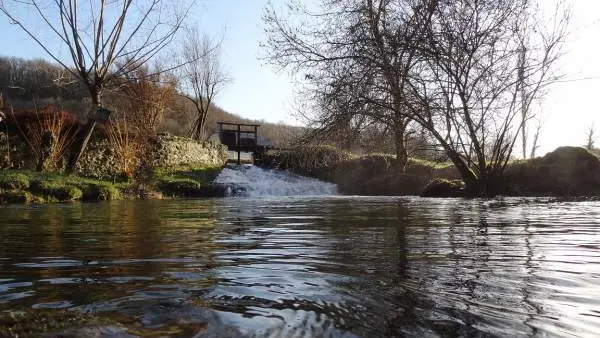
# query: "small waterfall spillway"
x,y
252,181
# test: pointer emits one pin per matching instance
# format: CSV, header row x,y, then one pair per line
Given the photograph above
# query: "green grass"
x,y
431,164
23,186
12,180
34,186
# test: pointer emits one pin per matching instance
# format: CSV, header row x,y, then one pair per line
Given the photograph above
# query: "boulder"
x,y
443,188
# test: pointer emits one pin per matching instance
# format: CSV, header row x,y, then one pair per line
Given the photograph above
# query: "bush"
x,y
317,161
49,133
566,171
372,174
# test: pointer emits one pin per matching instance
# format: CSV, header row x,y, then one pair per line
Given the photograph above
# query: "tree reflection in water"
x,y
322,267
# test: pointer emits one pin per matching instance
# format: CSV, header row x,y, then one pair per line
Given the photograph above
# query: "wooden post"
x,y
255,144
239,146
89,130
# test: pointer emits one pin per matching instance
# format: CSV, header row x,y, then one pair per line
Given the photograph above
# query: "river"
x,y
312,266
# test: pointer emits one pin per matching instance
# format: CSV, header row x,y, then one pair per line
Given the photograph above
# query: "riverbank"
x,y
25,186
163,166
566,171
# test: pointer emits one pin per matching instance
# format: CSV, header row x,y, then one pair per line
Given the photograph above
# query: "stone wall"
x,y
176,151
100,161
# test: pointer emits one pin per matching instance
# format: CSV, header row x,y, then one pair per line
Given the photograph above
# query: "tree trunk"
x,y
399,140
474,186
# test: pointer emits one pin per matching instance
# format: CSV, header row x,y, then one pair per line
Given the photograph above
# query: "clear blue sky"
x,y
258,92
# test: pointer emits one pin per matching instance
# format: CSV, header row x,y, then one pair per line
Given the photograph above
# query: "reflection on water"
x,y
313,267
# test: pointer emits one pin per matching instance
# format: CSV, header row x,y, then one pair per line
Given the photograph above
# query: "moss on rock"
x,y
101,192
185,181
50,187
58,190
180,187
43,323
440,187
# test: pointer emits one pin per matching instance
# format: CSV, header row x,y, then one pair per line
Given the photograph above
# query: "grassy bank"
x,y
371,174
24,186
567,171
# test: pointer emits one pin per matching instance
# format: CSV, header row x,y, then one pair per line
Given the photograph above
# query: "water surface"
x,y
312,266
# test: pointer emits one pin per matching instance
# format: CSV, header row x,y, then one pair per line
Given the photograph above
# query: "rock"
x,y
443,188
181,151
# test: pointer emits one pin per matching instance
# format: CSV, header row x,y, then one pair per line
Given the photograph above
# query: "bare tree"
x,y
147,94
466,71
590,137
536,138
104,39
202,76
356,55
467,88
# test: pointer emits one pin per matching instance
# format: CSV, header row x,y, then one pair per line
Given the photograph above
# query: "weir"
x,y
252,181
239,137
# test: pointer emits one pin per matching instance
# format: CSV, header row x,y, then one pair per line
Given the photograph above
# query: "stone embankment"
x,y
100,159
169,167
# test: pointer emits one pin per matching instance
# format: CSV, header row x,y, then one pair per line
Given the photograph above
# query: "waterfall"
x,y
252,181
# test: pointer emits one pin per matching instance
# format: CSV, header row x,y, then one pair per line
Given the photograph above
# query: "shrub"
x,y
310,160
49,133
127,143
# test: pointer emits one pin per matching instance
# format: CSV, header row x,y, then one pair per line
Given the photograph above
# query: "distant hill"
x,y
33,84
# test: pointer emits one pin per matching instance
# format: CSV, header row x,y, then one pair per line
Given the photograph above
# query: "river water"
x,y
312,266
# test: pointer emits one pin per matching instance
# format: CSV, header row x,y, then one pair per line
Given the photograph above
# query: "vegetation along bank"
x,y
566,171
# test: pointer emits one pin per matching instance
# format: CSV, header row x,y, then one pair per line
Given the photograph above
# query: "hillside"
x,y
32,84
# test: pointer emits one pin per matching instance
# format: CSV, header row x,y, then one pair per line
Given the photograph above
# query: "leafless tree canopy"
x,y
104,39
590,136
465,70
202,76
97,35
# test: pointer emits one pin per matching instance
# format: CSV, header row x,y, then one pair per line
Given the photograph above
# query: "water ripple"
x,y
314,266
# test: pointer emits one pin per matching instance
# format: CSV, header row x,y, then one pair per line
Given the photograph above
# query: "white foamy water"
x,y
252,181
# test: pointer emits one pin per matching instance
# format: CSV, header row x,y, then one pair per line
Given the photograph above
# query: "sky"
x,y
258,91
